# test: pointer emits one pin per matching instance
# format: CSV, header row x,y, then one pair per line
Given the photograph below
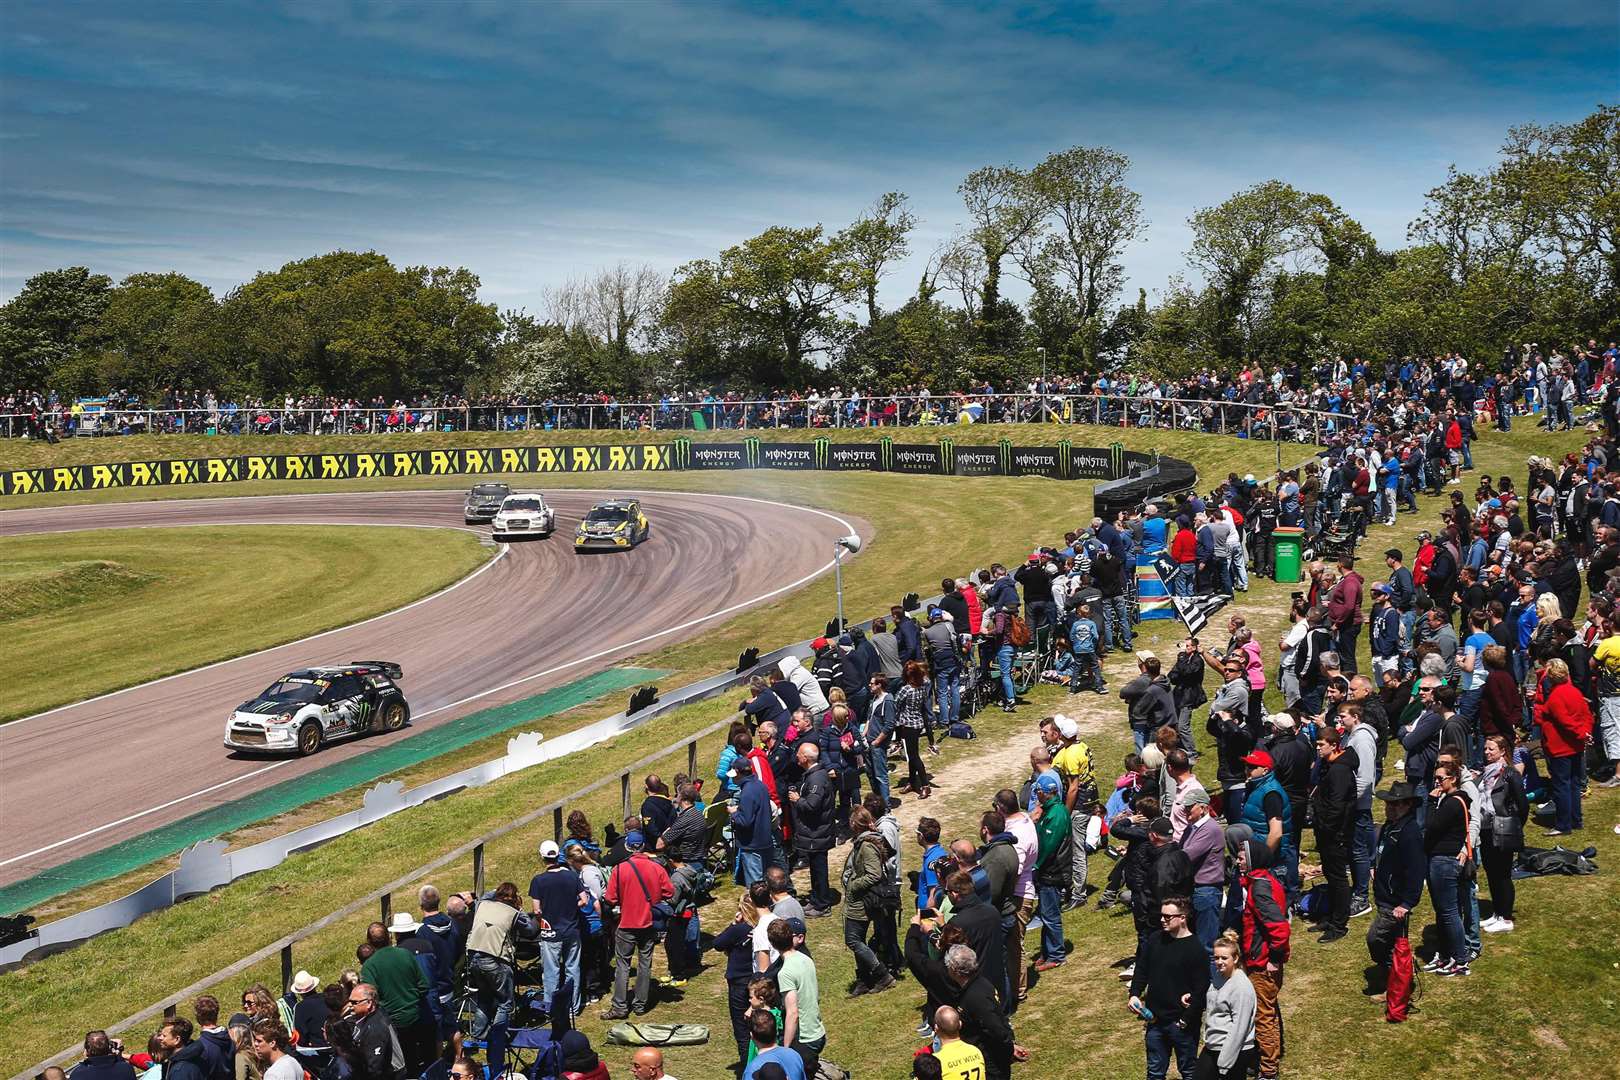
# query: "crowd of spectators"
x,y
1490,694
1279,401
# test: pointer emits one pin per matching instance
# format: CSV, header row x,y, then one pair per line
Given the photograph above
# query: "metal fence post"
x,y
286,965
478,870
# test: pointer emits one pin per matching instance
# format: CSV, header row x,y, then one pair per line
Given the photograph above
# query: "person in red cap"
x,y
1266,808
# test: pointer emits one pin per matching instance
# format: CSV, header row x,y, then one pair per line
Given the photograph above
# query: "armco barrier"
x,y
1061,461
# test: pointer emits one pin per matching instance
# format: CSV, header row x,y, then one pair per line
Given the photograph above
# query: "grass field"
x,y
1563,954
178,599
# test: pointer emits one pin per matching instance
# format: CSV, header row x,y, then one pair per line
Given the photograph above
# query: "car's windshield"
x,y
295,690
489,491
521,504
606,516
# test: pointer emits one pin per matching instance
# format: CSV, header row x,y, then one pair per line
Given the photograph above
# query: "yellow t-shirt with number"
x,y
960,1061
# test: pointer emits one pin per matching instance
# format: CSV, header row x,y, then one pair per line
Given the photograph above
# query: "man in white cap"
x,y
556,893
1072,759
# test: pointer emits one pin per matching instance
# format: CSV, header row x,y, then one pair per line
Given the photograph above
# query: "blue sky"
x,y
532,142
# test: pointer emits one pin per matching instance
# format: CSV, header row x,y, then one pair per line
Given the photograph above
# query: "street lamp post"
x,y
1042,350
851,544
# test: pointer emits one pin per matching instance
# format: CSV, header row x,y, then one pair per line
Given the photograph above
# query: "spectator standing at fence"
x,y
376,1044
1229,1013
272,1045
492,964
557,893
102,1062
636,885
751,823
403,989
1053,866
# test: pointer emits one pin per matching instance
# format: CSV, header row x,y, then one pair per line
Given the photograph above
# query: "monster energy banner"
x,y
942,458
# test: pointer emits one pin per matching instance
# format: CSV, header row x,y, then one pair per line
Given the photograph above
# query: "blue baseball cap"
x,y
633,838
1048,781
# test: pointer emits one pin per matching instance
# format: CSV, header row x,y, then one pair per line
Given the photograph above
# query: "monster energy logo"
x,y
886,454
751,452
1004,456
947,455
681,454
823,451
1065,465
1116,460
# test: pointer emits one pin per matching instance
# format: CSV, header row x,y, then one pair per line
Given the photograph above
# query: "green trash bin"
x,y
1286,542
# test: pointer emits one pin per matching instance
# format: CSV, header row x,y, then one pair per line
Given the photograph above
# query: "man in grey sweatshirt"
x,y
1361,738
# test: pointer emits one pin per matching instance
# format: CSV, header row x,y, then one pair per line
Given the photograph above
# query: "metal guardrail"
x,y
1217,417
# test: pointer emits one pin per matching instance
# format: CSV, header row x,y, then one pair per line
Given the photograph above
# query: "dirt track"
x,y
119,765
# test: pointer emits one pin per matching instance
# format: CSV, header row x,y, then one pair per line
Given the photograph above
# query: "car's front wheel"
x,y
309,738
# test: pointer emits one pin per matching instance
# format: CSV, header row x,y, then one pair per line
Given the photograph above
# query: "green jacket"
x,y
1051,830
862,870
401,986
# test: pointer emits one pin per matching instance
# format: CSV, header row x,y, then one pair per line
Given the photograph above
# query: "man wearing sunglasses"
x,y
381,1057
1168,989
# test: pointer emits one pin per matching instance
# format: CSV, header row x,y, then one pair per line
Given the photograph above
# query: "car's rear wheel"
x,y
393,716
309,738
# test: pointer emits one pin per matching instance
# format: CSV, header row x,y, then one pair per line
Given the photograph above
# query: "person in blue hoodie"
x,y
751,824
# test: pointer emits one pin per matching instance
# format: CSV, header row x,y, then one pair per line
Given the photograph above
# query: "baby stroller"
x,y
1341,535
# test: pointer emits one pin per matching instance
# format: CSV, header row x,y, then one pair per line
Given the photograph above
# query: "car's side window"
x,y
345,687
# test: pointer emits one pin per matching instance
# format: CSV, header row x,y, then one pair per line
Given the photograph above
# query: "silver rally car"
x,y
484,502
303,710
524,513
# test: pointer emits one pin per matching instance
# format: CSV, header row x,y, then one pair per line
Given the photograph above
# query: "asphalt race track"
x,y
82,777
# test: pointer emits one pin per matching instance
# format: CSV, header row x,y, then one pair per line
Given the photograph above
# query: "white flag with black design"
x,y
1196,610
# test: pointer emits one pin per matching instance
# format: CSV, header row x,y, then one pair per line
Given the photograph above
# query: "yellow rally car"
x,y
612,525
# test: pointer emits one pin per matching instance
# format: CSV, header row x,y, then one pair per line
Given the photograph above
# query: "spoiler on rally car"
x,y
387,667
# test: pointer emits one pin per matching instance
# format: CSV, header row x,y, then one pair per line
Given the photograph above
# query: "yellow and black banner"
x,y
1062,461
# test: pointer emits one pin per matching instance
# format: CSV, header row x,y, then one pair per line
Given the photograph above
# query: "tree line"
x,y
1528,250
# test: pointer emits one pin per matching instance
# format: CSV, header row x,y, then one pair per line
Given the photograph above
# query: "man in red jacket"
x,y
1344,611
1264,941
635,886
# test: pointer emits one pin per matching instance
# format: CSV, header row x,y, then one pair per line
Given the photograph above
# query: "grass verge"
x,y
176,599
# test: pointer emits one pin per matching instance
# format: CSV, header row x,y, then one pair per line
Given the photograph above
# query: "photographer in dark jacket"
x,y
1187,691
1333,804
1151,705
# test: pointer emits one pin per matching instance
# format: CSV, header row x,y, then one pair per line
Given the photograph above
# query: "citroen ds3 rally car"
x,y
612,525
305,709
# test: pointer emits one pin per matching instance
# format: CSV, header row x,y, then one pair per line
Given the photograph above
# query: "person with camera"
x,y
103,1059
866,882
491,965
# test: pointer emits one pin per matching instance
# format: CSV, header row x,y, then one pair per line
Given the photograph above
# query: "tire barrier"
x,y
1061,461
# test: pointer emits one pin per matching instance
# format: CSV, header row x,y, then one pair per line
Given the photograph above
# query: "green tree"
x,y
1006,207
874,241
1096,216
49,323
1239,246
162,330
783,288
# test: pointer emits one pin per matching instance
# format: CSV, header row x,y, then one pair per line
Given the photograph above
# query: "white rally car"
x,y
523,513
305,709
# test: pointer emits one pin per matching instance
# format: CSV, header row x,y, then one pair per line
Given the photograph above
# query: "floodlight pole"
x,y
838,580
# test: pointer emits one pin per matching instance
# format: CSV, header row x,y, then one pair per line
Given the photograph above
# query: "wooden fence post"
x,y
478,870
286,966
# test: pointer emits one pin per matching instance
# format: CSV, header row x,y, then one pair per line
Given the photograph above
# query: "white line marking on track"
x,y
454,704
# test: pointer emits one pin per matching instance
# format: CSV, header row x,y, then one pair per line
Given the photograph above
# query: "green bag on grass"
x,y
658,1034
